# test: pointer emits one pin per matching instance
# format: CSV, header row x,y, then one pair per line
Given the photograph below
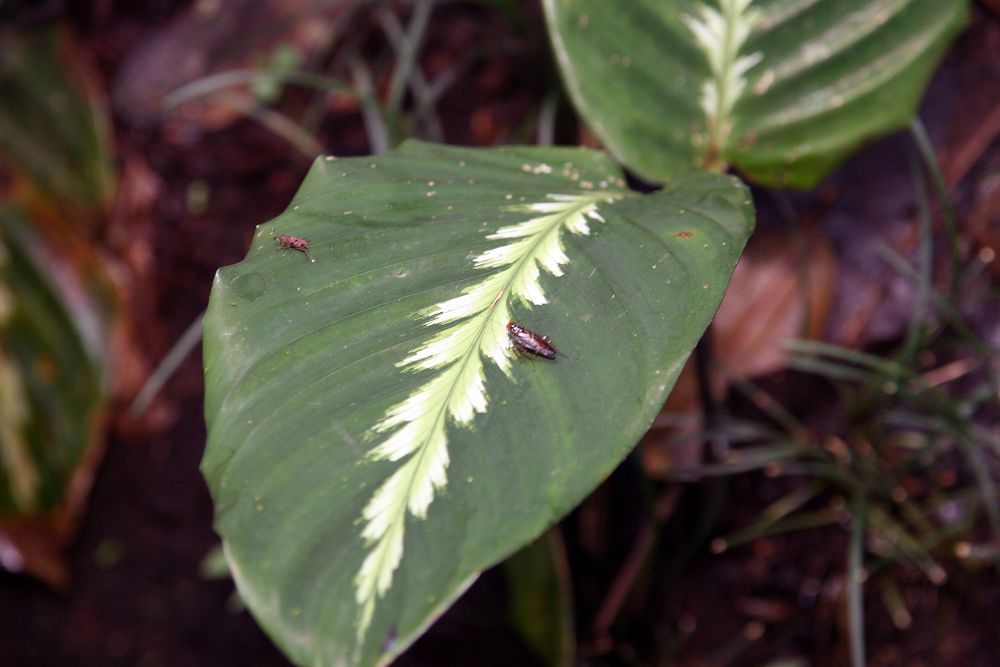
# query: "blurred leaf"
x,y
57,327
541,599
782,90
213,565
54,135
284,60
374,442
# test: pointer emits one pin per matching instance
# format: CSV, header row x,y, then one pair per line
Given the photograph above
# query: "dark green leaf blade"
x,y
782,89
54,338
306,355
54,130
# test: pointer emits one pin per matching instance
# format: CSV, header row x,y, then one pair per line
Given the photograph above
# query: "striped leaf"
x,y
61,326
56,317
781,89
375,437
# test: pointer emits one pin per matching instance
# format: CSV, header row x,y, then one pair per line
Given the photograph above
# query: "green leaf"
x,y
374,440
55,321
782,89
541,599
53,126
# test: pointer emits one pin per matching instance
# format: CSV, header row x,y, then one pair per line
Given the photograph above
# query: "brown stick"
x,y
629,572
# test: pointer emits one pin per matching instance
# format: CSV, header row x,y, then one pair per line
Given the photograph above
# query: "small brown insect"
x,y
286,242
526,341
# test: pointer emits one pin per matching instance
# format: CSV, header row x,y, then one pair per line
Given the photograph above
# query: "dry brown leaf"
x,y
782,288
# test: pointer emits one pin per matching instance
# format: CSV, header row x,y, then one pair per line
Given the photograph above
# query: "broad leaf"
x,y
52,382
59,311
58,316
54,132
782,89
374,440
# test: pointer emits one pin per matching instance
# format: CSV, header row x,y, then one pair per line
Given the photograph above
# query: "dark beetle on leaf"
x,y
526,341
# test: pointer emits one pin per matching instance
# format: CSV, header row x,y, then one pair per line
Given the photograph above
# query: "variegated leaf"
x,y
57,317
374,439
782,89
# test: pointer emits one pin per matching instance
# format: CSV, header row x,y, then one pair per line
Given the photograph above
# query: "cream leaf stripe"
x,y
721,34
477,318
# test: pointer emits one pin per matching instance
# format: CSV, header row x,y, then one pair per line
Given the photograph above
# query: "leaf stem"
x,y
926,150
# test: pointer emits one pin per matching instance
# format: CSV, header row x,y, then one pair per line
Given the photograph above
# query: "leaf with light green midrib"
x,y
290,486
385,535
784,92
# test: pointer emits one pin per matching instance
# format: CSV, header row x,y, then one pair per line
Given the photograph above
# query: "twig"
x,y
926,149
986,130
634,562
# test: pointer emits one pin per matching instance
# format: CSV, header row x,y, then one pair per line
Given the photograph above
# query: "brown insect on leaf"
x,y
299,243
526,341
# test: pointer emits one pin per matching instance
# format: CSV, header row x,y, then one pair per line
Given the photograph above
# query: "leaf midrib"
x,y
475,349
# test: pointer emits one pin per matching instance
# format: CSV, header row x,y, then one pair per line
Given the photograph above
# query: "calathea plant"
x,y
377,433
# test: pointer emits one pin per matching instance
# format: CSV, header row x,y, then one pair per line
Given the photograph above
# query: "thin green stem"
x,y
926,150
924,267
406,58
221,80
281,124
422,90
166,369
